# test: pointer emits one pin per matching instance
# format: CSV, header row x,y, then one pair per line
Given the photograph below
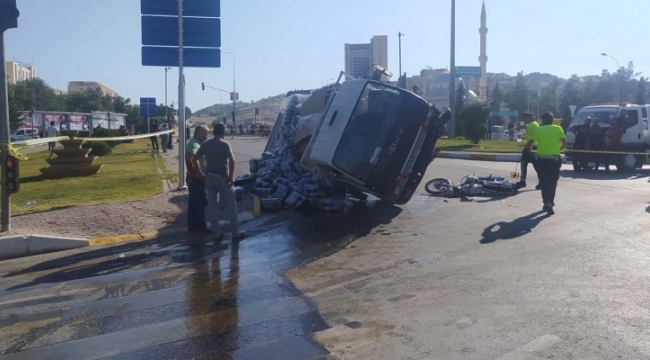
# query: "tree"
x,y
35,93
460,102
14,108
518,98
496,98
641,91
475,117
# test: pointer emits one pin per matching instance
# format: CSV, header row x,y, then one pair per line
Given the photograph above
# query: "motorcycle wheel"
x,y
438,186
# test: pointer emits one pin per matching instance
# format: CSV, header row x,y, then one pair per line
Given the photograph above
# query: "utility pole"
x,y
8,20
399,35
166,106
181,102
452,72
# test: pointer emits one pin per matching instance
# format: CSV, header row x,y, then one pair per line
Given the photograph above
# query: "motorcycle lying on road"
x,y
471,185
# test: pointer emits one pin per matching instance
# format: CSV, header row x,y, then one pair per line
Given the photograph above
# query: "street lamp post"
x,y
166,106
618,77
234,89
452,72
322,83
399,35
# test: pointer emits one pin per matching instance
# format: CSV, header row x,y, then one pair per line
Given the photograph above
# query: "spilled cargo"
x,y
351,139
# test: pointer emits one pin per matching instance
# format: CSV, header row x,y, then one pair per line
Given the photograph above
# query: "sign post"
x,y
168,26
8,20
147,109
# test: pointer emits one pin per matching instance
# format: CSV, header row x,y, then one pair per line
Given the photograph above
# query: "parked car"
x,y
24,134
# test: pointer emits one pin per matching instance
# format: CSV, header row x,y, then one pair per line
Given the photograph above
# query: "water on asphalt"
x,y
179,297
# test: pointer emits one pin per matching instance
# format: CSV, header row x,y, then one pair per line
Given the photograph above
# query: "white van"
x,y
24,134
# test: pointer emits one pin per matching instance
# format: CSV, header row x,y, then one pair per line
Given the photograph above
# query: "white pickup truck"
x,y
636,139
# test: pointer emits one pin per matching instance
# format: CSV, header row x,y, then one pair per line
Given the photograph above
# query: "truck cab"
x,y
375,138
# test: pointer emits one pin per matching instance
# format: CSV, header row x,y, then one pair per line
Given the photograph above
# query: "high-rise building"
x,y
360,57
17,71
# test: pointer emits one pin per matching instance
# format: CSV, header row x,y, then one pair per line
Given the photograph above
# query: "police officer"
x,y
527,156
550,142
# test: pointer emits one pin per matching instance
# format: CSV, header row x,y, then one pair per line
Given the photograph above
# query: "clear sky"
x,y
282,45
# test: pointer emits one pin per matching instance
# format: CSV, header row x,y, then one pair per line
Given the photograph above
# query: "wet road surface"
x,y
177,297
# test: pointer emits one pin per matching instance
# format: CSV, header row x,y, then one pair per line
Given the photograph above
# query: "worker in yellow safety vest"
x,y
527,156
550,141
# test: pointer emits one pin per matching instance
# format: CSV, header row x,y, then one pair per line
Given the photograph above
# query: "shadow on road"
x,y
315,234
514,229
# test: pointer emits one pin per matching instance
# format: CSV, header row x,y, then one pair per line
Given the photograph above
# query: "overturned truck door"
x,y
375,138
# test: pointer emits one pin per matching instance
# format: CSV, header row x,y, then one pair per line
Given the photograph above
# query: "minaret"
x,y
482,59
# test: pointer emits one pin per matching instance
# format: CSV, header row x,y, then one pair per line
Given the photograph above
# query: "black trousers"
x,y
548,171
154,142
527,157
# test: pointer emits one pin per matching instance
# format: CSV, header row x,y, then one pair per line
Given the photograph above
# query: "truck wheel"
x,y
576,166
626,163
640,160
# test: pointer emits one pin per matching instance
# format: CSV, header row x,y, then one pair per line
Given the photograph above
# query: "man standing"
x,y
218,175
489,129
195,184
614,139
550,142
51,131
153,127
527,156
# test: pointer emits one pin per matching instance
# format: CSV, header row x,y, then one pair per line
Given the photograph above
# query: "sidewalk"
x,y
161,212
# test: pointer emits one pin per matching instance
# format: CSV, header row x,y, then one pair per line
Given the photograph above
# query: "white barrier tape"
x,y
36,142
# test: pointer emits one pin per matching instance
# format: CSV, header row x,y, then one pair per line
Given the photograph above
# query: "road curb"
x,y
115,239
17,246
505,157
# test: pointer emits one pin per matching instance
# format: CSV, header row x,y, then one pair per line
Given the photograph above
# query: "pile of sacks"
x,y
281,181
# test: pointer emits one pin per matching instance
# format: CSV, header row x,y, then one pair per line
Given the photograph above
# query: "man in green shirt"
x,y
195,184
527,156
550,141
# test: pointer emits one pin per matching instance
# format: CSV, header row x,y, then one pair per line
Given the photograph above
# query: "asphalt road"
x,y
490,278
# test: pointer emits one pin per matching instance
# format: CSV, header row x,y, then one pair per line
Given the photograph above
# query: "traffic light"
x,y
257,111
8,15
13,180
203,86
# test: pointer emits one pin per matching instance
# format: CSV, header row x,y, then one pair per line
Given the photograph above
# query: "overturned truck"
x,y
350,139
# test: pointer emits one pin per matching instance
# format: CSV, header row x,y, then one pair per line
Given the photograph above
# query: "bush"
x,y
474,118
100,148
100,133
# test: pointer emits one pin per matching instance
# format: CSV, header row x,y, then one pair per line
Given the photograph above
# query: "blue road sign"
x,y
201,33
192,57
471,71
197,32
199,8
147,107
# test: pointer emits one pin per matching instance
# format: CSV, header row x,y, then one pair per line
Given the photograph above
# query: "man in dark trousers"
x,y
550,141
195,185
218,175
527,156
614,140
153,127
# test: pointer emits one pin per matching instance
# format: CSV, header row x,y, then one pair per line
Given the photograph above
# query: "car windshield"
x,y
604,115
368,130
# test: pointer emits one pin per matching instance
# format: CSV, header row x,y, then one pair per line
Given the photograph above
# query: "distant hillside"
x,y
269,109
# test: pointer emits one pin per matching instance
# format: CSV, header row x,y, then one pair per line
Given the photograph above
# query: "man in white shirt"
x,y
51,131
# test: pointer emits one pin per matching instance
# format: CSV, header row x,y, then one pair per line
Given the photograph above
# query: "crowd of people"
x,y
594,144
166,140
